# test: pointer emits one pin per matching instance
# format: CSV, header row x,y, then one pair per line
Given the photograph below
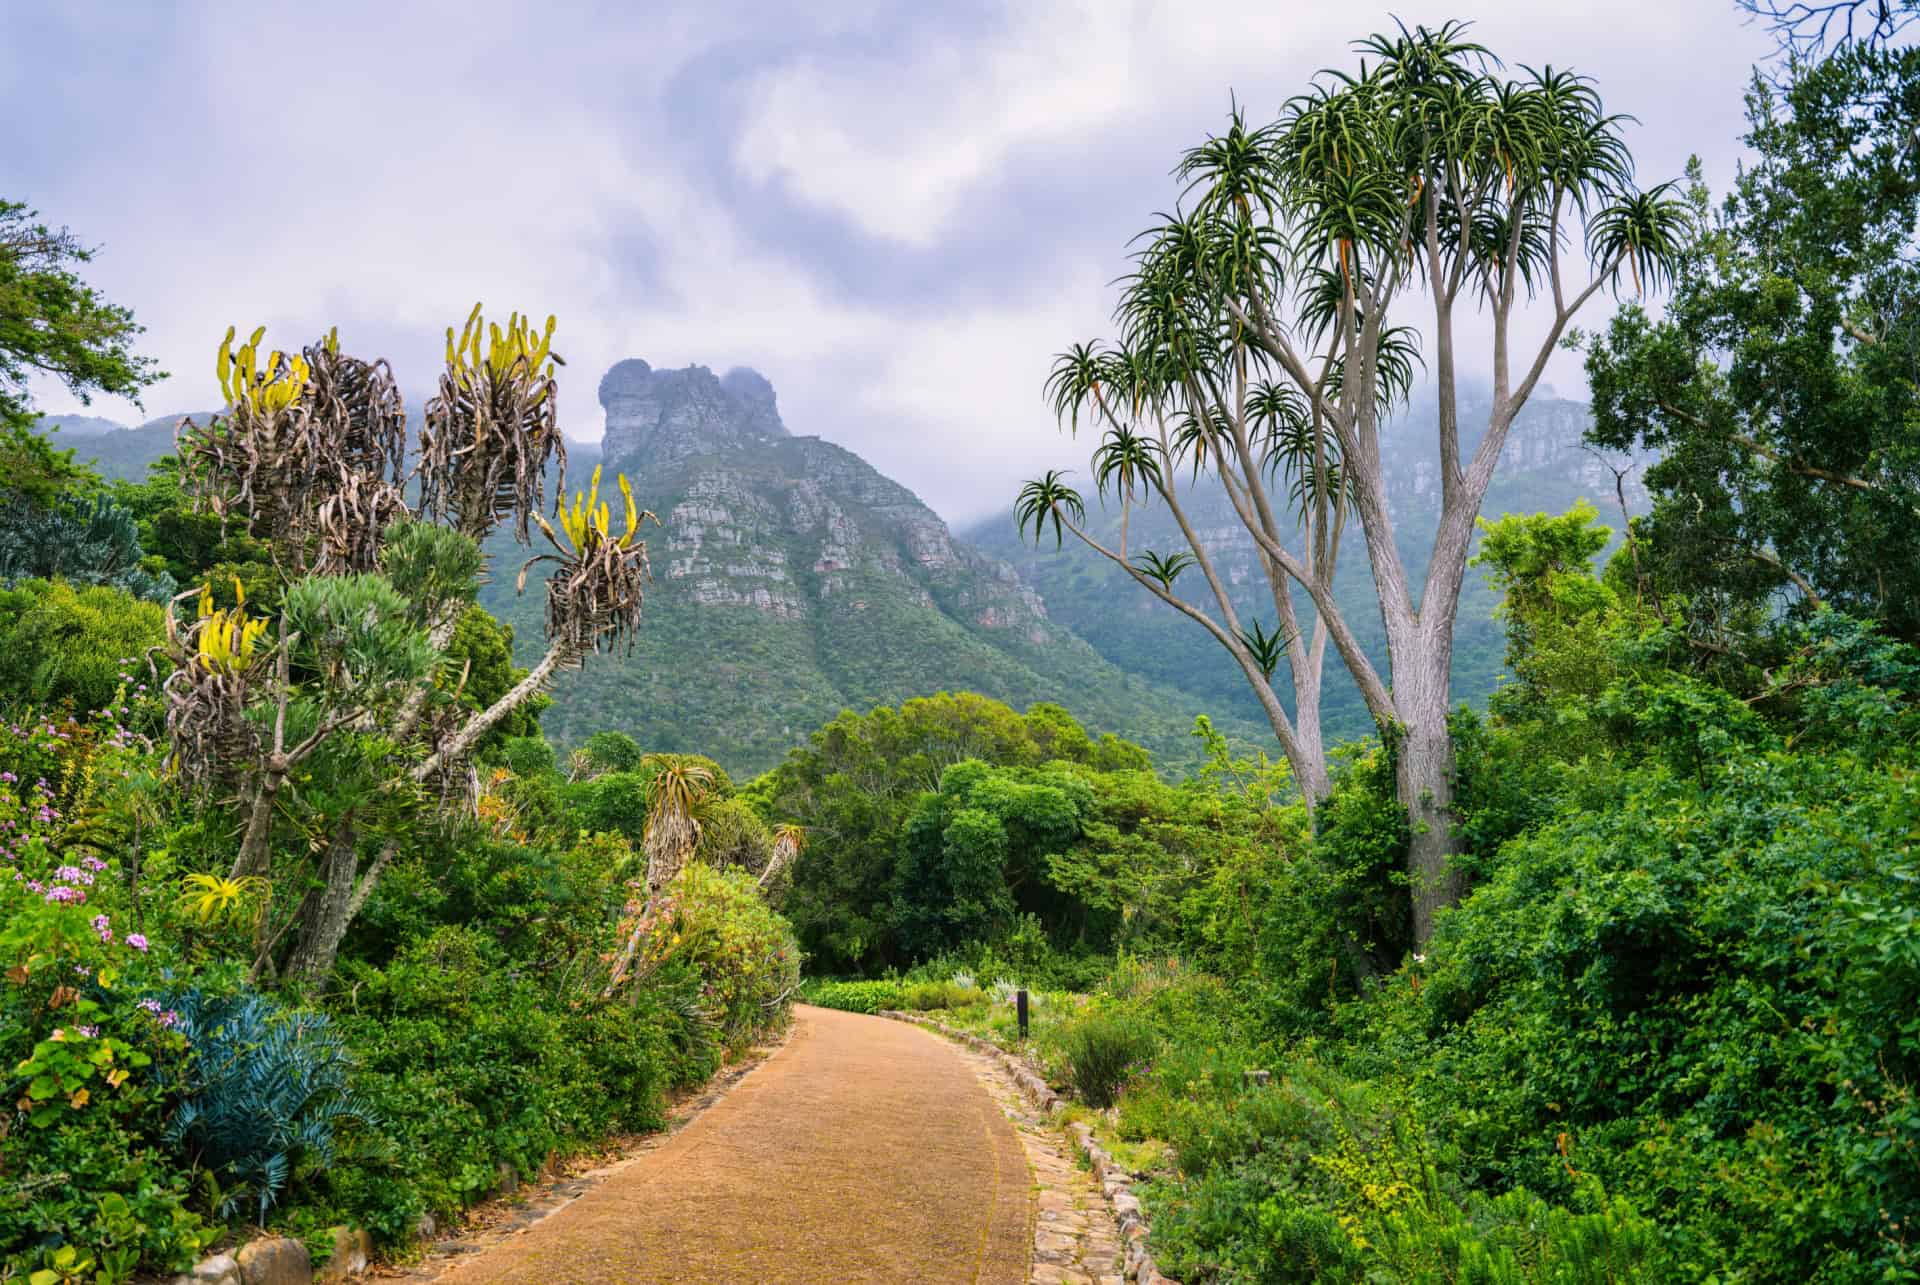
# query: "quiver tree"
x,y
353,679
1265,332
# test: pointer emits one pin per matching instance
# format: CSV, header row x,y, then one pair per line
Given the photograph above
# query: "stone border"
x,y
1115,1182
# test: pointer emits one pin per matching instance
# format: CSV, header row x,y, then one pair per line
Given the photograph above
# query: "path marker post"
x,y
1020,1011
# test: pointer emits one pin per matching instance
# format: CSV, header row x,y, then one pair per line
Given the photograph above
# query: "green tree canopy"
x,y
53,324
1782,387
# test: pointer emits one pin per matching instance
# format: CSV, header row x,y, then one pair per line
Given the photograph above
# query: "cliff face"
x,y
793,580
665,415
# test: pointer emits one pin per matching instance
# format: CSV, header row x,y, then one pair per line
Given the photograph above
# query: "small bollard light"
x,y
1020,1011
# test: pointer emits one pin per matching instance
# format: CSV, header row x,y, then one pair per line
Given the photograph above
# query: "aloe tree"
x,y
1265,332
354,671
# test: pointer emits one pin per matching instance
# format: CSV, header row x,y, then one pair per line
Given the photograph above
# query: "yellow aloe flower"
x,y
228,638
588,521
268,391
466,357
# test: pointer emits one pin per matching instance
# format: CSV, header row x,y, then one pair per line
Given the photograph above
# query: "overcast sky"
x,y
896,211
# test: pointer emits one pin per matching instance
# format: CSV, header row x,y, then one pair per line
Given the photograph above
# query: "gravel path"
x,y
864,1150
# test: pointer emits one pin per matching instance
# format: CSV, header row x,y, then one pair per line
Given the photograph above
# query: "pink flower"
x,y
137,941
102,926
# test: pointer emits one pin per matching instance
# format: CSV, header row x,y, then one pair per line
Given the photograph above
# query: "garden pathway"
x,y
862,1151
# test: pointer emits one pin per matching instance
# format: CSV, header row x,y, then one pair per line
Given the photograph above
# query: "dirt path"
x,y
864,1150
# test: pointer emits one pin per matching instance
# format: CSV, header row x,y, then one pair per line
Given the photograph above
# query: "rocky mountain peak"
x,y
664,415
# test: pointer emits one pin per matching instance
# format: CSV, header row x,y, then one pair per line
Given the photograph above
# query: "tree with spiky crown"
x,y
354,672
1261,344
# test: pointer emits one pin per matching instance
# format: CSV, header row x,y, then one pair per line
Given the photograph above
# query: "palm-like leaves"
x,y
1125,463
1163,571
1643,232
674,795
1266,649
1075,382
1048,499
789,841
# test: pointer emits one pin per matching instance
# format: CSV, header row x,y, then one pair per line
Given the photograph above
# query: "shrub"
x,y
855,997
60,644
1104,1050
261,1095
924,996
716,923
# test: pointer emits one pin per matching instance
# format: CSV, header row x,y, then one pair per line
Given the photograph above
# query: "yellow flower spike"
x,y
223,365
633,510
239,592
206,601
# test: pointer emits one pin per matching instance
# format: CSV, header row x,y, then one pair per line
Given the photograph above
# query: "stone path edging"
x,y
1115,1182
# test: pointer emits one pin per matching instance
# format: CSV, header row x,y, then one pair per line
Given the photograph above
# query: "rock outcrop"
x,y
793,580
665,415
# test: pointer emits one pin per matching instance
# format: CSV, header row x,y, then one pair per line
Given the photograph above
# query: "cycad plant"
x,y
262,1096
1266,330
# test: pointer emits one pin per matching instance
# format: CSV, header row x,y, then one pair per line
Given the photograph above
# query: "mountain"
x,y
1545,467
114,450
793,580
72,427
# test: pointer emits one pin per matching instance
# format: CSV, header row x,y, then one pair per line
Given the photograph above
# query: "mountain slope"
x,y
1546,467
112,450
793,580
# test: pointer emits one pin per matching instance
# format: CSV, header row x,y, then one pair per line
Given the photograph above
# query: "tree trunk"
x,y
1423,768
326,912
253,857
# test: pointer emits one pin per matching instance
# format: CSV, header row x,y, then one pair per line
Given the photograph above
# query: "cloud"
x,y
897,212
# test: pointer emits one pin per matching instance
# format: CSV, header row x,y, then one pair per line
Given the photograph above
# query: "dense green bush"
x,y
715,924
261,1097
1103,1051
62,645
855,996
469,1067
926,996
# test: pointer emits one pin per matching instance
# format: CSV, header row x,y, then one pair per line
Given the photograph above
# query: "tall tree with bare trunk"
x,y
1266,330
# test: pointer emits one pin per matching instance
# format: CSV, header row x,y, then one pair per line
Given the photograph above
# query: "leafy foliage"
x,y
263,1094
1779,387
84,543
65,645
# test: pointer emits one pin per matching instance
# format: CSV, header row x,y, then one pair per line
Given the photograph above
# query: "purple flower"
x,y
91,1032
103,927
93,863
137,940
69,896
